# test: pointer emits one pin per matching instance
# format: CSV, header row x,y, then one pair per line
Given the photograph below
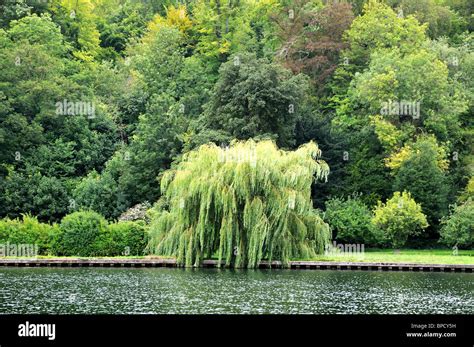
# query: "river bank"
x,y
314,265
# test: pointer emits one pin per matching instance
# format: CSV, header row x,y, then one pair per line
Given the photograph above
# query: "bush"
x,y
125,238
81,234
399,218
458,228
350,220
28,231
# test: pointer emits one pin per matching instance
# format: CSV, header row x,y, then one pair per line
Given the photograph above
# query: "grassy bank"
x,y
426,256
418,256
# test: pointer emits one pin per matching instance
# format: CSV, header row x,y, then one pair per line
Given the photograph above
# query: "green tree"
x,y
78,23
254,98
441,19
38,30
155,144
43,148
99,193
222,28
350,220
13,10
415,78
246,203
380,28
458,228
158,59
120,22
464,8
468,191
421,175
399,218
165,91
48,198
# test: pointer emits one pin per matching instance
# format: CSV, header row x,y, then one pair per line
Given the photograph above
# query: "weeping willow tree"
x,y
244,203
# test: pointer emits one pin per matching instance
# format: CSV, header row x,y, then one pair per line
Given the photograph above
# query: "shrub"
x,y
350,220
399,218
81,233
126,238
458,228
28,230
56,241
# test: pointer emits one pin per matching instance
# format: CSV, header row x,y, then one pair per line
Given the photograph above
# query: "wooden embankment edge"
x,y
166,262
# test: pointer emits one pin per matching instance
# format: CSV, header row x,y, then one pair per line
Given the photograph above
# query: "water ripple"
x,y
200,291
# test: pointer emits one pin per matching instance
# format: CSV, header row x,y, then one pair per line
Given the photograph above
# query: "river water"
x,y
200,291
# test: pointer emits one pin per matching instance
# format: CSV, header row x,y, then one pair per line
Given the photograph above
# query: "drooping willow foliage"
x,y
248,202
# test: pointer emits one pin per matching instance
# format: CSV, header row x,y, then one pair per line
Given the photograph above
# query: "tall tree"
x,y
247,203
253,98
314,39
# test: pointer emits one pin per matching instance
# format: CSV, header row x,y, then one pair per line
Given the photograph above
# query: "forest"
x,y
236,129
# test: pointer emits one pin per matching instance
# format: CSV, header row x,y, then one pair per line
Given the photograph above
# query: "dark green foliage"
x,y
81,233
124,239
425,180
167,76
441,18
255,98
31,192
350,220
103,193
12,10
363,168
156,143
42,150
119,25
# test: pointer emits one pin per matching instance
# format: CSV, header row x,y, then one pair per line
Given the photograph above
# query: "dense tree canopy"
x,y
100,98
254,98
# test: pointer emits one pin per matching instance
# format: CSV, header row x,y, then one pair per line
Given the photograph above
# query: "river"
x,y
200,291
